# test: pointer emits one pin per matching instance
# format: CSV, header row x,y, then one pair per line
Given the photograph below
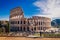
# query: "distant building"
x,y
18,23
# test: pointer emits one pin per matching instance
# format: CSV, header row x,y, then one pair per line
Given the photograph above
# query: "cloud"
x,y
50,8
4,17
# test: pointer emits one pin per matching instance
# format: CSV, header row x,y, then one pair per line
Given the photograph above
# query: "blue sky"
x,y
49,8
27,5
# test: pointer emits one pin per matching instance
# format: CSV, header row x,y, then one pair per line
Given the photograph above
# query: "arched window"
x,y
24,28
28,22
21,22
34,28
21,28
18,22
39,23
28,29
24,22
40,28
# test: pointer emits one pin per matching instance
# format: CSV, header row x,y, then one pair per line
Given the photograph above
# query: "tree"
x,y
7,26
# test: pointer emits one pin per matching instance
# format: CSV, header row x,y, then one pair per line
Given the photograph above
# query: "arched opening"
x,y
21,28
34,28
28,29
24,29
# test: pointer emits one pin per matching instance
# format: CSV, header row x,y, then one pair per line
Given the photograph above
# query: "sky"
x,y
46,8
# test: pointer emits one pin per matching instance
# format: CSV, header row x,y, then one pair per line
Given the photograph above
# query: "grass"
x,y
47,35
38,34
52,35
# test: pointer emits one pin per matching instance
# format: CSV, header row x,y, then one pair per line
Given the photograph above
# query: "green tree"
x,y
7,26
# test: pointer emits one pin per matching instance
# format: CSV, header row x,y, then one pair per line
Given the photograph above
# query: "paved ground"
x,y
23,38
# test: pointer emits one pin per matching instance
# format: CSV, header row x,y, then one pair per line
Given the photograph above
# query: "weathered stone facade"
x,y
20,24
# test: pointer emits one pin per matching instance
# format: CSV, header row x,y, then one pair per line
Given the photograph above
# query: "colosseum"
x,y
18,23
